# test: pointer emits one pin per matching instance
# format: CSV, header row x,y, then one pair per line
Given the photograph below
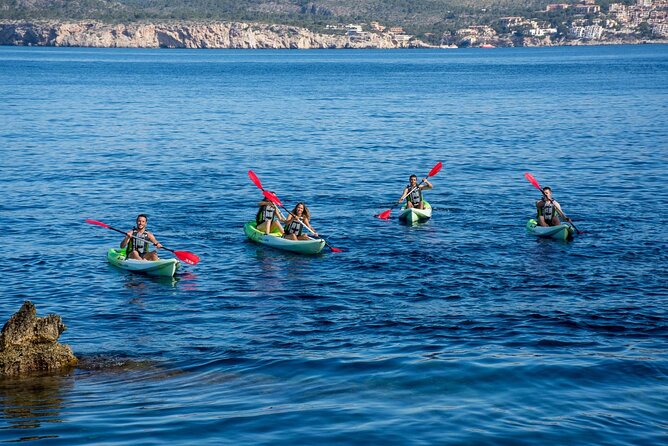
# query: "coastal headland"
x,y
584,22
186,35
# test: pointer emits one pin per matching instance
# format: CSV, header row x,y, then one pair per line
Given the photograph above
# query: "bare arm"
x,y
539,213
126,239
427,185
279,215
153,240
558,206
306,223
403,196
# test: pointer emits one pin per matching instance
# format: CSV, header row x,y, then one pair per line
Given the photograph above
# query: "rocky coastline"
x,y
29,344
240,35
184,35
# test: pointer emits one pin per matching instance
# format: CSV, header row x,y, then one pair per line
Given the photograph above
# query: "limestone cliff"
x,y
186,35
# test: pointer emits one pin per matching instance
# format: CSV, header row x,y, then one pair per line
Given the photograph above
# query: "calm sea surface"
x,y
463,330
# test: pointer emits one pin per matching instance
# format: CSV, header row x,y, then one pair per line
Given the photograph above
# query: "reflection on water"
x,y
142,284
187,281
29,402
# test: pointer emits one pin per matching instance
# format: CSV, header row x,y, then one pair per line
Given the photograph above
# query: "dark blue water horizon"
x,y
462,330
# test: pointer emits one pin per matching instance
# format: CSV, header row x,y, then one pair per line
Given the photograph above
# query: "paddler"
x,y
413,192
138,241
295,222
548,210
267,218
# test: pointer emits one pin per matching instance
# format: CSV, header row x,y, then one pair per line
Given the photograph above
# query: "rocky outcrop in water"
x,y
186,35
30,344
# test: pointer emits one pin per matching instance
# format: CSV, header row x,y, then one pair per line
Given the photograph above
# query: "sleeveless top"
x,y
265,213
295,227
140,244
414,197
547,210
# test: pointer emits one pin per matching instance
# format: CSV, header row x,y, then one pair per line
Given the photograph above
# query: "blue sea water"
x,y
463,330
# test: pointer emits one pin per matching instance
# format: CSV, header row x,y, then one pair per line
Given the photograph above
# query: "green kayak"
x,y
412,215
274,239
563,231
162,268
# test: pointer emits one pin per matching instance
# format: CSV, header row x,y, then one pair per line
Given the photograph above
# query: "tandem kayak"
x,y
162,268
412,215
563,231
274,239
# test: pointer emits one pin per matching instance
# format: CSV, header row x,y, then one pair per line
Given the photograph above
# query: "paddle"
x,y
533,181
255,180
186,256
434,170
274,199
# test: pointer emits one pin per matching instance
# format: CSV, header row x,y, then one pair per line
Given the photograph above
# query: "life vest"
x,y
295,227
140,244
414,197
265,213
547,210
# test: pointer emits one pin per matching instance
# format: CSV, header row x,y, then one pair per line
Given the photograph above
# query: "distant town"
x,y
559,24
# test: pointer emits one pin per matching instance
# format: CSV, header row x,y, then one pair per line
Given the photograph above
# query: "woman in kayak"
x,y
137,241
548,210
413,192
294,224
267,217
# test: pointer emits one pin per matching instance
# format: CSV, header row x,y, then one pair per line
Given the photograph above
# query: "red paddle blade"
x,y
436,169
385,215
272,197
533,181
335,249
99,223
187,257
254,179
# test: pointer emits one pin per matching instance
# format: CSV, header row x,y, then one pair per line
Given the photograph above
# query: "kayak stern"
x,y
412,216
160,268
274,239
563,231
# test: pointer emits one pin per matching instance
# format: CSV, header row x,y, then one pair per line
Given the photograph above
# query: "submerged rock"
x,y
30,344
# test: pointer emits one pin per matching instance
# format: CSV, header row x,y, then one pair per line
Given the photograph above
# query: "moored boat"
x,y
162,267
563,231
413,215
274,239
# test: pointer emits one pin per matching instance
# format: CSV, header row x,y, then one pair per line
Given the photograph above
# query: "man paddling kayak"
x,y
548,210
413,192
137,241
294,224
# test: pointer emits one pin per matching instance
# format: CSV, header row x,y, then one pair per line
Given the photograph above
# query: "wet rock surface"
x,y
29,344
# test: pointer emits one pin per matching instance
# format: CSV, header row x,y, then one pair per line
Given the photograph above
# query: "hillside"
x,y
417,17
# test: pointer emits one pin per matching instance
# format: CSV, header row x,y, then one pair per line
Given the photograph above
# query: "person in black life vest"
x,y
267,217
413,192
137,242
548,210
294,227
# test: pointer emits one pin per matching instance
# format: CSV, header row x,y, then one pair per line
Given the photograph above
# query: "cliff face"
x,y
184,35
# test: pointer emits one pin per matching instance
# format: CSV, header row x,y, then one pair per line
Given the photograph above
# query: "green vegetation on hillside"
x,y
416,17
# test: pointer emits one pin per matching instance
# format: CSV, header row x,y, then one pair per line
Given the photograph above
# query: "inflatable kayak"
x,y
413,215
162,268
274,239
563,231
